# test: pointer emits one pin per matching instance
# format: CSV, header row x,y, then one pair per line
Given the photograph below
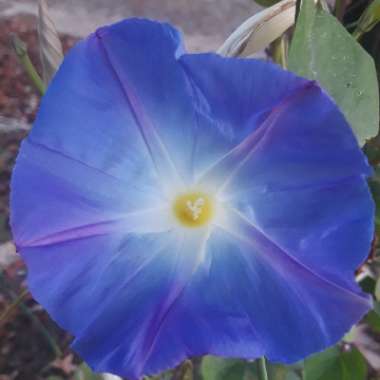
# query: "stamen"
x,y
196,208
193,209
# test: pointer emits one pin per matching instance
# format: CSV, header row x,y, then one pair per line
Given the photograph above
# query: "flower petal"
x,y
303,184
143,56
239,91
84,115
134,280
237,95
250,298
173,111
329,228
286,128
54,198
295,310
90,221
305,141
129,87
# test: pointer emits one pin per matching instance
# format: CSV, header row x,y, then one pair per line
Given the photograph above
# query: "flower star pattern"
x,y
171,205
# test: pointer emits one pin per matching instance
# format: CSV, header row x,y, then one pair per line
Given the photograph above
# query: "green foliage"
x,y
377,289
266,3
373,320
369,19
374,184
292,376
323,50
333,364
85,373
281,372
214,368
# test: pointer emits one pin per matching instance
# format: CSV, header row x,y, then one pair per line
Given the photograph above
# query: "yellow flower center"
x,y
193,209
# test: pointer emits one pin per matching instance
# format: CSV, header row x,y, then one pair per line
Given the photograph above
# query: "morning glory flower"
x,y
171,205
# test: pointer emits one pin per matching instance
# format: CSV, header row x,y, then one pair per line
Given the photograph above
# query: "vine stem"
x,y
21,51
262,369
14,305
280,51
18,302
298,8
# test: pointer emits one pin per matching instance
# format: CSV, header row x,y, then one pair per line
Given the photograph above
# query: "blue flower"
x,y
171,205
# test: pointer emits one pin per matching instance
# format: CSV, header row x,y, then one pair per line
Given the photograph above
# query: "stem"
x,y
18,301
197,362
357,34
21,51
43,330
298,8
183,371
14,305
280,51
262,369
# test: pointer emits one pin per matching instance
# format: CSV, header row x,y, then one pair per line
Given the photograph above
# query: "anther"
x,y
193,209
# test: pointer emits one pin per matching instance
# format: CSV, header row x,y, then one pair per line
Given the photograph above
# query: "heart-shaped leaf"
x,y
323,50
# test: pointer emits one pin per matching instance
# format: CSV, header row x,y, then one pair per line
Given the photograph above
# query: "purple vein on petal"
x,y
145,221
158,152
215,176
189,255
244,230
36,145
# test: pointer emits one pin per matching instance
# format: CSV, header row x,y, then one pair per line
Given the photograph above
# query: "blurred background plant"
x,y
334,42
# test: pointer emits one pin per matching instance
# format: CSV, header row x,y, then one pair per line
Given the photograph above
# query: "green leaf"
x,y
323,366
277,372
374,184
266,3
354,365
333,364
368,20
323,50
373,319
214,368
368,285
377,290
350,336
376,308
292,376
85,373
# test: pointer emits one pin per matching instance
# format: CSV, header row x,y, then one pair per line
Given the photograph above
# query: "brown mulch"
x,y
18,99
26,351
